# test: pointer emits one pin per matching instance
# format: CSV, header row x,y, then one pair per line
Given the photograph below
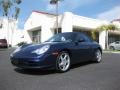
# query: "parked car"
x,y
3,43
115,45
59,52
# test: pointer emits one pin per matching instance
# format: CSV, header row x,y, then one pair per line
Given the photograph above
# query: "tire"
x,y
112,48
5,46
63,62
98,56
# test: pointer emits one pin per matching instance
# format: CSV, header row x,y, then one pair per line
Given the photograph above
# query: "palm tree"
x,y
93,34
17,9
107,28
55,2
18,1
6,7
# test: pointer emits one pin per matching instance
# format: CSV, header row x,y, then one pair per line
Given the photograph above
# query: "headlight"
x,y
18,49
41,50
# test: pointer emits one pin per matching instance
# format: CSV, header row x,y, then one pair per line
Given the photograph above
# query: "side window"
x,y
87,38
81,37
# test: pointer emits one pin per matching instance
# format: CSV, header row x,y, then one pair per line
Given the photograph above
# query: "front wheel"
x,y
112,48
98,56
63,62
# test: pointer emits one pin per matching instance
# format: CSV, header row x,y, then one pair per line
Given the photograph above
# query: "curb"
x,y
111,52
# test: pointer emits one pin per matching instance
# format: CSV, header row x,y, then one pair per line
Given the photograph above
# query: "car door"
x,y
117,45
82,48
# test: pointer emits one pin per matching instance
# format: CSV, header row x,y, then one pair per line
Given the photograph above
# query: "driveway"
x,y
85,76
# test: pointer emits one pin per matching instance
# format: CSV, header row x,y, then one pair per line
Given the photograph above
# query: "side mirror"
x,y
81,40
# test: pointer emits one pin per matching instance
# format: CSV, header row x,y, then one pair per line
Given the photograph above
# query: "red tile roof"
x,y
44,12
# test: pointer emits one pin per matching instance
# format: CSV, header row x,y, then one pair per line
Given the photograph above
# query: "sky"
x,y
97,9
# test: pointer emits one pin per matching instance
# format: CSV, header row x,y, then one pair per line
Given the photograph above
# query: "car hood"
x,y
26,51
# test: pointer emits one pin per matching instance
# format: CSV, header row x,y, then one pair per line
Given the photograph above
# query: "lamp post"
x,y
55,2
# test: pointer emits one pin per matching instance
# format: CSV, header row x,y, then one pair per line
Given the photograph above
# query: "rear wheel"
x,y
63,62
98,56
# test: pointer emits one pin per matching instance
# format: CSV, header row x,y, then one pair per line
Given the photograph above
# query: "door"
x,y
82,48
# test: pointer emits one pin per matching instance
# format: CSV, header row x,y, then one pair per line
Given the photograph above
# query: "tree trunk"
x,y
106,39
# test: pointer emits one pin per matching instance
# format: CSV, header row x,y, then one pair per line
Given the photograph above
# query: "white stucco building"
x,y
41,25
10,32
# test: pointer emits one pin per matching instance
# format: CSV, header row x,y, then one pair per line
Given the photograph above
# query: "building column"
x,y
27,36
102,37
67,25
46,31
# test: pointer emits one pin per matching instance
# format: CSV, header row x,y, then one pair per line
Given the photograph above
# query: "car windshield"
x,y
62,37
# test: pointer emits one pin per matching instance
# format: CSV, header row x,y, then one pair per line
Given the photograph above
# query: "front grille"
x,y
25,63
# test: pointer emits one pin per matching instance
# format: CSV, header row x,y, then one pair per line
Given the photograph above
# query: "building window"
x,y
55,30
36,36
88,32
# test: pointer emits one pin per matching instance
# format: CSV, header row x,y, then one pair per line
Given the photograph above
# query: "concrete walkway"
x,y
116,52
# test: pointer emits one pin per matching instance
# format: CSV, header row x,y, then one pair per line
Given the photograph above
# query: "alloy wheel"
x,y
98,56
63,62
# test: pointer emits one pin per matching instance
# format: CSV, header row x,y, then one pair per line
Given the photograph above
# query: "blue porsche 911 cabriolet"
x,y
59,52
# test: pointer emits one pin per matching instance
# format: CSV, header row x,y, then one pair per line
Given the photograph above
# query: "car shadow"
x,y
48,72
3,49
34,71
81,64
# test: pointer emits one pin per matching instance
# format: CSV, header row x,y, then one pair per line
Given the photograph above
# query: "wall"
x,y
67,21
87,22
10,31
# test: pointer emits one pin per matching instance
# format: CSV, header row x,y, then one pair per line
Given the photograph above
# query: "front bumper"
x,y
3,46
47,61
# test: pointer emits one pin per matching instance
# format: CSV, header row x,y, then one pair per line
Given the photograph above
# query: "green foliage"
x,y
17,1
107,27
112,27
93,34
17,11
8,5
21,43
54,1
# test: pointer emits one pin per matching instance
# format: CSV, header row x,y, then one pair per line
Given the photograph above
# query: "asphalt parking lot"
x,y
85,76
